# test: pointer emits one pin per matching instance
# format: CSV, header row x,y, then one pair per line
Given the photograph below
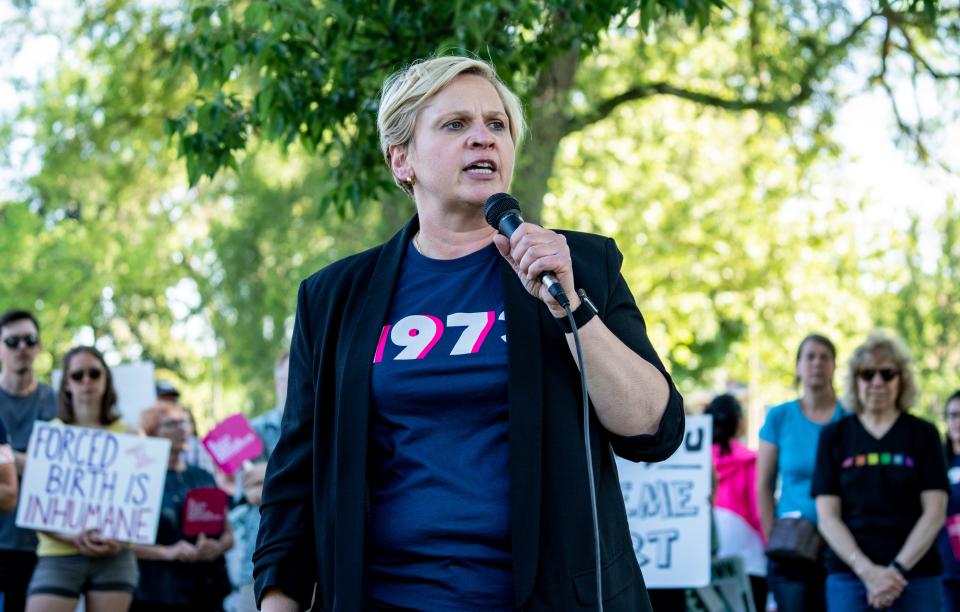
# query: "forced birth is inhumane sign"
x,y
78,478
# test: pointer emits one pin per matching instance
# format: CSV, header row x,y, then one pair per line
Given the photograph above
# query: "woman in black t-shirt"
x,y
881,489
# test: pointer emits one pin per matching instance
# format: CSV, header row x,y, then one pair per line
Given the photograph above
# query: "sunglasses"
x,y
174,423
92,374
31,340
887,374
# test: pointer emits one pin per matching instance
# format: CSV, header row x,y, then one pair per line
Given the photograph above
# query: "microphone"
x,y
502,211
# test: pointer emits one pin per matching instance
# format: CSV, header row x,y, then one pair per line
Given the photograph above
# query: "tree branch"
x,y
803,88
911,50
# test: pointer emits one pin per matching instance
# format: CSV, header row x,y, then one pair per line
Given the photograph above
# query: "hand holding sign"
x,y
90,544
232,442
208,550
181,551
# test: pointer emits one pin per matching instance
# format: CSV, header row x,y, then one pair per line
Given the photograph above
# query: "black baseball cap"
x,y
165,388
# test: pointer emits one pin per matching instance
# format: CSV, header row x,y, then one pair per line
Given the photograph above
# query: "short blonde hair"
x,y
406,91
880,346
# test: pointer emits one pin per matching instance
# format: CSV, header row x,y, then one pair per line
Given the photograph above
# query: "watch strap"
x,y
584,312
897,566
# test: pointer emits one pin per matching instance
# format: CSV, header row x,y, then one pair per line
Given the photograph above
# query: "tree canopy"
x,y
196,160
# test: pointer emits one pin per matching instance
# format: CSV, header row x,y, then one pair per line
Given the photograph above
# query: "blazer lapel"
x,y
353,415
526,427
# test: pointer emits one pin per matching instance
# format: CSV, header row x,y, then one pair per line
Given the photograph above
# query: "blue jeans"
x,y
797,586
847,593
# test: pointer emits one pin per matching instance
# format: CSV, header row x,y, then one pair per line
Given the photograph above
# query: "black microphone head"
x,y
497,206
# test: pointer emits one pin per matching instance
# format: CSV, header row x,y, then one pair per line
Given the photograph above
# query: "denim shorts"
x,y
71,575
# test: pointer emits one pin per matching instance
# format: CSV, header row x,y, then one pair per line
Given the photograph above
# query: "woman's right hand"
x,y
90,544
884,584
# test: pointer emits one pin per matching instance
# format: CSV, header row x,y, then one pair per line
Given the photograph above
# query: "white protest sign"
x,y
135,388
668,509
78,478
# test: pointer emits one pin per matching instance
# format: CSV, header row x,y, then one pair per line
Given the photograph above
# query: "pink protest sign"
x,y
232,442
204,511
953,531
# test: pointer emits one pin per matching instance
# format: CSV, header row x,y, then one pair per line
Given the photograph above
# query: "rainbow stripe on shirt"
x,y
869,459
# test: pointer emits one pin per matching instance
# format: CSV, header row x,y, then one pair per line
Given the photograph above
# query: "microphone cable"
x,y
586,443
502,212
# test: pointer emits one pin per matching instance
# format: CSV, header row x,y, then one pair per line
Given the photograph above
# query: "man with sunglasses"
x,y
23,401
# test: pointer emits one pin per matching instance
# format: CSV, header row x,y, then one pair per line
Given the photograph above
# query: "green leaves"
x,y
319,68
695,145
217,131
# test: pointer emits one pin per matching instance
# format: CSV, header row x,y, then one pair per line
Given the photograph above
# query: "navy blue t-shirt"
x,y
439,523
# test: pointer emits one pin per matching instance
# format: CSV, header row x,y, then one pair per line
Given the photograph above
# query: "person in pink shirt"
x,y
735,513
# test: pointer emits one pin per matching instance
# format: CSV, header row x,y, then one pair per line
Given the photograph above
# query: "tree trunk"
x,y
547,127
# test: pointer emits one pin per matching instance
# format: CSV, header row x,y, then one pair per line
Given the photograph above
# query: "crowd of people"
x,y
422,470
50,572
847,498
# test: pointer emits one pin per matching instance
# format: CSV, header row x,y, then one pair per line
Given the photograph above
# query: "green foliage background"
x,y
195,160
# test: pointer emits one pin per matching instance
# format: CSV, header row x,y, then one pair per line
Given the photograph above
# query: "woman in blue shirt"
x,y
788,447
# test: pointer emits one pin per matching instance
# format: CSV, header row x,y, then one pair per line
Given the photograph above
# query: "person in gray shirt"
x,y
23,400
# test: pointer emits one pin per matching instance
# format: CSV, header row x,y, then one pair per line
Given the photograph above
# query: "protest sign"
x,y
78,478
232,442
729,589
204,511
668,509
135,388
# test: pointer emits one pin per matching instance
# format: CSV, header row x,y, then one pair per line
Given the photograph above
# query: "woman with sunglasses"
x,y
881,489
951,559
104,571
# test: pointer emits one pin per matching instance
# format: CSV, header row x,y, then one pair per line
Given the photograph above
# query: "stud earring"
x,y
410,180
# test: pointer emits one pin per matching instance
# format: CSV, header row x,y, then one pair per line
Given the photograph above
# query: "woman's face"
x,y
174,426
953,420
878,384
461,150
816,365
86,378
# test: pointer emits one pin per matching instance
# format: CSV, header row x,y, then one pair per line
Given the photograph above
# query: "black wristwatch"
x,y
584,312
896,565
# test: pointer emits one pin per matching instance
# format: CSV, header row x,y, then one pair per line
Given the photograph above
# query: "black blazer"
x,y
312,525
